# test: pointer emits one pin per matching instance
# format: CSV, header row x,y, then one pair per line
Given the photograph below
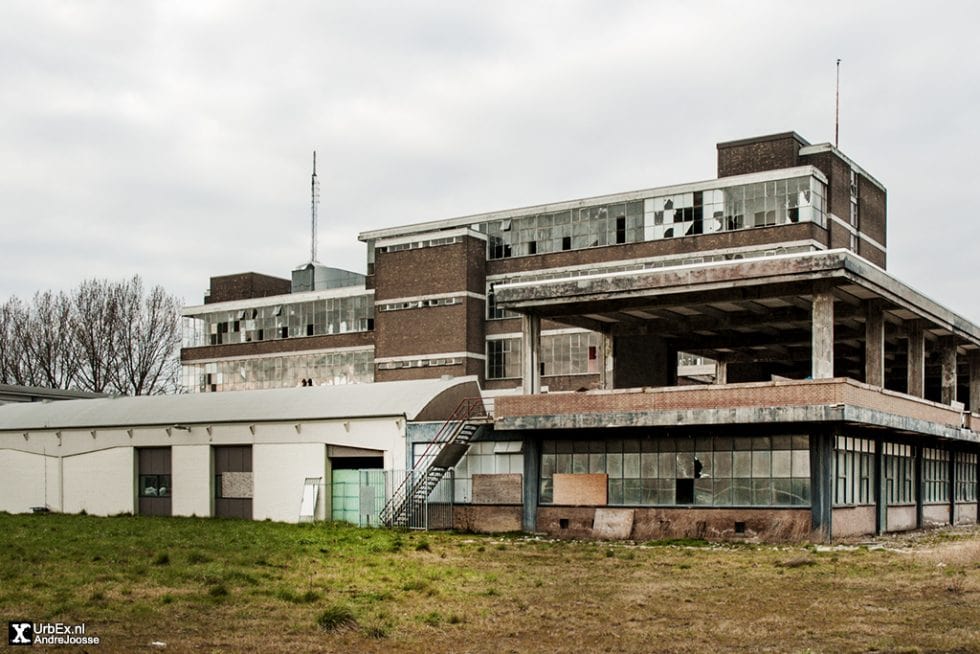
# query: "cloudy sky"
x,y
174,139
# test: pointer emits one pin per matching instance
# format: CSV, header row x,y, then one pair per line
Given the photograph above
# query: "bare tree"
x,y
12,317
148,340
96,319
102,336
47,341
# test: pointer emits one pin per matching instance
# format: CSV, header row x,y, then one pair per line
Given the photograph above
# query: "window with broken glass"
x,y
745,206
575,353
339,315
704,471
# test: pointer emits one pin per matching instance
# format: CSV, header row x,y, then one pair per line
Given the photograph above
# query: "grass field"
x,y
225,586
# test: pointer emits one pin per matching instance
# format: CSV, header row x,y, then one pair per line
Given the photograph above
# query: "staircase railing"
x,y
442,453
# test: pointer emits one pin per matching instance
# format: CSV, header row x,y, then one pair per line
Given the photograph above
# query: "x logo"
x,y
20,633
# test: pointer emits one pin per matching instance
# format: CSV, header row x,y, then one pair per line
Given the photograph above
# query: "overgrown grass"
x,y
225,585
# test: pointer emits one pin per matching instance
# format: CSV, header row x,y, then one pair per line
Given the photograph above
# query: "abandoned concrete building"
x,y
717,359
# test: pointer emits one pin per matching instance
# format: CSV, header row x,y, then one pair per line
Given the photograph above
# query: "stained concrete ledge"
x,y
831,400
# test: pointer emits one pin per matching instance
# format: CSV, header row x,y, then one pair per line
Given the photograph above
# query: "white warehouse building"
x,y
266,454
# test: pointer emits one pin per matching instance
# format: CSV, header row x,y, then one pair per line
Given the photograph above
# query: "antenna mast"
x,y
837,110
314,201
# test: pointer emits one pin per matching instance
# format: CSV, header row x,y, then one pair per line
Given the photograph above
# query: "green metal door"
x,y
346,497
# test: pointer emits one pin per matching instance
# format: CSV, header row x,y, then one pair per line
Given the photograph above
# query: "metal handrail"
x,y
468,409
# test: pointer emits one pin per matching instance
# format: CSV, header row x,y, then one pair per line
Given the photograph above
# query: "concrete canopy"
x,y
751,311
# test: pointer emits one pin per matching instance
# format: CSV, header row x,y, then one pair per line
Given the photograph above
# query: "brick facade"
x,y
244,286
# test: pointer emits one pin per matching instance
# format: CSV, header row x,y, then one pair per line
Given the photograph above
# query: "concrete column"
x,y
822,331
974,399
532,483
874,344
822,482
947,350
607,372
531,354
917,358
721,371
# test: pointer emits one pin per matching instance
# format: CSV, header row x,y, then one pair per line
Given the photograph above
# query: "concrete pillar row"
x,y
874,344
916,358
822,334
531,353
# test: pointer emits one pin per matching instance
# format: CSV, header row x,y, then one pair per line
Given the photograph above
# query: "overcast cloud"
x,y
173,139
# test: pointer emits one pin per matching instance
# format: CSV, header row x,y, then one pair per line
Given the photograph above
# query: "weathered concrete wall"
x,y
497,489
935,515
280,472
900,518
683,522
853,521
487,519
192,479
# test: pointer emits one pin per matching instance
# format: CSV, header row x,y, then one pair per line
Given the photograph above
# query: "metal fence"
x,y
370,490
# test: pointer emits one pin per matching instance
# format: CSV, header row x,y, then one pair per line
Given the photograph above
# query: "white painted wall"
x,y
101,482
279,472
191,478
22,482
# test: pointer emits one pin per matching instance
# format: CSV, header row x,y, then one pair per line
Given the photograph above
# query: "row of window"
x,y
733,208
314,318
714,471
420,363
326,368
561,354
855,473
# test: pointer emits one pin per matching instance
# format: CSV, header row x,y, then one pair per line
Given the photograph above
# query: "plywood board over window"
x,y
581,489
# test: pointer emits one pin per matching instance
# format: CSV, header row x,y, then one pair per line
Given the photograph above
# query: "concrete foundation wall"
x,y
280,472
487,519
656,523
935,515
853,521
900,518
191,479
966,513
101,482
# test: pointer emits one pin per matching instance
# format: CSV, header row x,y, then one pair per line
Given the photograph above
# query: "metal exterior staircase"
x,y
406,508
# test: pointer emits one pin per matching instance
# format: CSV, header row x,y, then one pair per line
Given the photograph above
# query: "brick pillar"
x,y
607,373
822,331
917,358
531,354
874,344
947,350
